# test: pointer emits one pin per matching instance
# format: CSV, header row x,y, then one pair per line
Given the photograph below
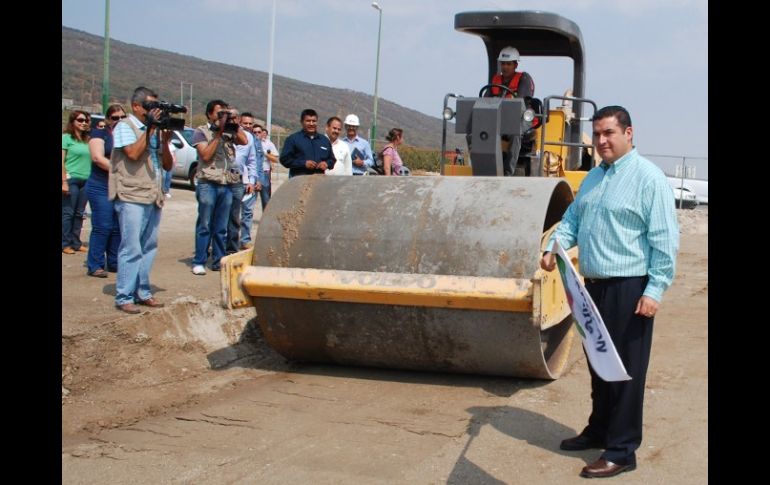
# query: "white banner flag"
x,y
600,350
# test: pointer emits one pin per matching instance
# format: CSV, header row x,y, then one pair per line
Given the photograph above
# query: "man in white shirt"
x,y
344,165
271,157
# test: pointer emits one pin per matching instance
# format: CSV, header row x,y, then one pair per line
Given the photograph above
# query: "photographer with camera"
x,y
139,156
215,142
165,121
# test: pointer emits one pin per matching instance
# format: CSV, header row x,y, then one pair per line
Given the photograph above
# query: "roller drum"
x,y
464,226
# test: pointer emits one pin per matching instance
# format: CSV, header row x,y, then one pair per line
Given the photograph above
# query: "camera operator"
x,y
134,183
215,175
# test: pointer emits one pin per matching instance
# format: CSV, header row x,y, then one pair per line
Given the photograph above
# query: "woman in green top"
x,y
75,169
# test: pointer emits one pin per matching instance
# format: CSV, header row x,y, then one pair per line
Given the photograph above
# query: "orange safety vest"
x,y
513,85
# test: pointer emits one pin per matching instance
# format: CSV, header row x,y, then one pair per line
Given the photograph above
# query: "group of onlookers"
x,y
307,152
122,168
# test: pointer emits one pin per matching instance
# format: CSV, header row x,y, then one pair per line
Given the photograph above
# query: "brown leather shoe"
x,y
68,250
151,302
602,468
98,273
82,249
129,308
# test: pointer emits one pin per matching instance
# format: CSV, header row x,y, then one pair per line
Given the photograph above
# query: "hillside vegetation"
x,y
132,65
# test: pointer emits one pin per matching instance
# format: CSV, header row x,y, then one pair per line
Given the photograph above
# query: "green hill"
x,y
132,65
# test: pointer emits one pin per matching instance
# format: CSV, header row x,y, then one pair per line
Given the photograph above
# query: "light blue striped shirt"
x,y
123,136
249,159
365,149
624,222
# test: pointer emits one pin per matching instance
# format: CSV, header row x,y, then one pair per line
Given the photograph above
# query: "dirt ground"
x,y
191,394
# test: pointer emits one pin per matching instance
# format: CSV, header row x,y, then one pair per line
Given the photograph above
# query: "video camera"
x,y
165,121
231,126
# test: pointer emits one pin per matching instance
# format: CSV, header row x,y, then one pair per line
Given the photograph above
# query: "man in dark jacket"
x,y
306,152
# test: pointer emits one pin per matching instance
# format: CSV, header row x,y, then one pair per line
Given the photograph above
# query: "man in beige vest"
x,y
216,176
136,167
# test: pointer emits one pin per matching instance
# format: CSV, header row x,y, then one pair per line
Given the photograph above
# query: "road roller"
x,y
549,129
430,273
434,274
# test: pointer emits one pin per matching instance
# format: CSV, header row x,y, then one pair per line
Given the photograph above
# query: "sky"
x,y
650,56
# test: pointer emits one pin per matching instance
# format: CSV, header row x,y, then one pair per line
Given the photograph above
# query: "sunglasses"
x,y
81,120
116,117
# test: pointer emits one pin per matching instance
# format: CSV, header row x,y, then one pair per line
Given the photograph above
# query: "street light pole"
x,y
106,78
376,78
269,118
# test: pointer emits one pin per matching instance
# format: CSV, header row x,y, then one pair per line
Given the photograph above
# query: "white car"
x,y
185,156
684,199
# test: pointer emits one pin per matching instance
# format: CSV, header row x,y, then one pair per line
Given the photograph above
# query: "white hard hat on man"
x,y
352,120
509,54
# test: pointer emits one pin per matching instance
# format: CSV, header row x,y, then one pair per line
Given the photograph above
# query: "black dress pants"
x,y
616,415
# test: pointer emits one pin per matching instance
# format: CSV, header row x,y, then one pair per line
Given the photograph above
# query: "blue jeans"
x,y
105,229
72,207
247,215
214,202
138,245
267,190
166,181
234,221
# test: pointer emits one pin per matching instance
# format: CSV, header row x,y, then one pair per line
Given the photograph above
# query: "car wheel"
x,y
191,176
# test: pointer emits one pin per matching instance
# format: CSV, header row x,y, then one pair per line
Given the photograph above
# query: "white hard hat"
x,y
509,54
352,120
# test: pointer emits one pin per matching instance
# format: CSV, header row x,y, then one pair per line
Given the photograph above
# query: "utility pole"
x,y
681,188
181,97
106,80
373,135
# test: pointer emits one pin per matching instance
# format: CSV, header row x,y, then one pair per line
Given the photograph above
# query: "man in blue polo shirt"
x,y
306,152
624,222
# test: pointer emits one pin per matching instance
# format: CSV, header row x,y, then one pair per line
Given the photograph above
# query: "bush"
x,y
420,158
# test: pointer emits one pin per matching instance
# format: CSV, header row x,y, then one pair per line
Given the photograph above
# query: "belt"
x,y
594,281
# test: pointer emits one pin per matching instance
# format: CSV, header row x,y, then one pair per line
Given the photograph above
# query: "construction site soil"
x,y
190,393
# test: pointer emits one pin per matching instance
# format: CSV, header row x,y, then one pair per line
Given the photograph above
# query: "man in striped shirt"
x,y
624,222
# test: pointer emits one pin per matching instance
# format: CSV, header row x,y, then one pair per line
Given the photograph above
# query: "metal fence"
x,y
681,167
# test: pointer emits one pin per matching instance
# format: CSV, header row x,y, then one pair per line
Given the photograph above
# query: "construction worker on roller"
x,y
520,85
